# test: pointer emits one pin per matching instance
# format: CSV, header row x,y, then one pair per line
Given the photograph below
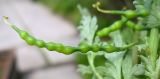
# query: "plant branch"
x,y
153,45
91,57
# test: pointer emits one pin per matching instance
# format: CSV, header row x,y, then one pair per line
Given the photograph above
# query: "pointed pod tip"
x,y
96,4
5,17
6,21
93,5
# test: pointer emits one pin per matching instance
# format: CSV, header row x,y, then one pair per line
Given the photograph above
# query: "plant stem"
x,y
134,49
153,45
91,57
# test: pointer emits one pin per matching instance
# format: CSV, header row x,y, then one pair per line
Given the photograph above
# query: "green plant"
x,y
140,59
84,47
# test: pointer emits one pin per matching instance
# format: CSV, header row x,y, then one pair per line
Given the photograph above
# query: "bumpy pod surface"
x,y
51,46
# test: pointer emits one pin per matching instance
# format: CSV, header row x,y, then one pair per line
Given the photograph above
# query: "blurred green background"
x,y
68,9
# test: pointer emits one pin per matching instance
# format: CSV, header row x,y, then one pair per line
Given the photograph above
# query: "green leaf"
x,y
114,64
141,47
158,64
127,35
149,71
114,60
84,69
101,70
127,66
146,3
154,17
153,20
88,26
108,78
147,62
83,11
130,71
138,70
158,67
117,39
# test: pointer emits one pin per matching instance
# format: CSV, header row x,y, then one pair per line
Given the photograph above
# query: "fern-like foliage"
x,y
154,19
88,26
147,4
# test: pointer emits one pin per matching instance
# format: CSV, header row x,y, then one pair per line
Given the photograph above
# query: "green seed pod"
x,y
68,50
130,24
104,32
95,48
23,34
117,25
110,48
130,14
59,47
30,40
84,47
139,27
143,13
51,46
40,43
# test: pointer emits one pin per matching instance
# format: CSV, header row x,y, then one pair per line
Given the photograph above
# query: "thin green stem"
x,y
109,11
134,49
97,6
91,57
